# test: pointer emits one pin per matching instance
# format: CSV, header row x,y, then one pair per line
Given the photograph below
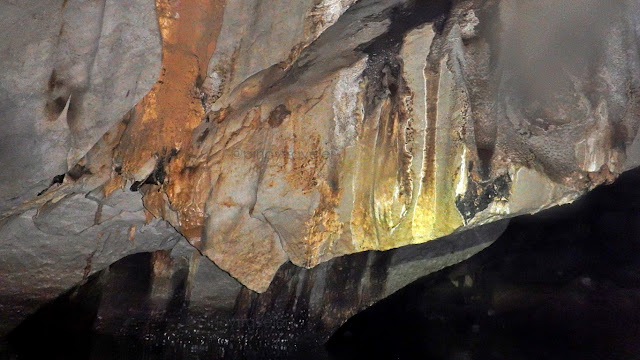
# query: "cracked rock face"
x,y
299,131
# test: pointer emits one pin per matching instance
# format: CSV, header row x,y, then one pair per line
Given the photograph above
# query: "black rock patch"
x,y
480,194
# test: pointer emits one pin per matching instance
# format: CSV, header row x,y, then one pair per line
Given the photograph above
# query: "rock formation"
x,y
268,132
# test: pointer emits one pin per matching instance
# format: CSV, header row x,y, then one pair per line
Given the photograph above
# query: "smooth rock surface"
x,y
71,70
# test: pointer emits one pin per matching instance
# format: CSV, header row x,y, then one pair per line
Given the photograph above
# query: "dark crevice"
x,y
58,179
481,194
385,48
60,327
383,73
78,171
405,18
158,175
484,158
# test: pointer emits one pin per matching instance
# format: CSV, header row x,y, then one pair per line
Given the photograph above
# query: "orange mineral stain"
x,y
165,118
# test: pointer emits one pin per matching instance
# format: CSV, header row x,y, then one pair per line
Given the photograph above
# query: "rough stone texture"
x,y
317,130
70,70
244,48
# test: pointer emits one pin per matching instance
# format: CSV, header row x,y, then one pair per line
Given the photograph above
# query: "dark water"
x,y
562,284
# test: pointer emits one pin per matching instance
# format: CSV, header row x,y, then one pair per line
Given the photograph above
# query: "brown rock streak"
x,y
166,117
